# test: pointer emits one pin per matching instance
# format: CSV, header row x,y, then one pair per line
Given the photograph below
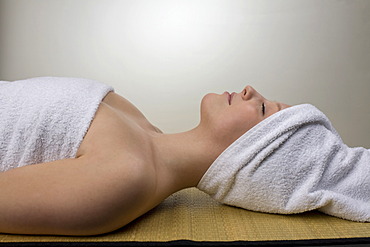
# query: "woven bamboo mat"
x,y
192,215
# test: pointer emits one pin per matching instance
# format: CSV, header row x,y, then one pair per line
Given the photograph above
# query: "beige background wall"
x,y
165,55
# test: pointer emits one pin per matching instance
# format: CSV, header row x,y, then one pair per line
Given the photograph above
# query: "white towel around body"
x,y
45,119
292,162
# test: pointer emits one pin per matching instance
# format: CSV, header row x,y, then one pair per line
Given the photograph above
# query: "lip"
x,y
231,96
228,97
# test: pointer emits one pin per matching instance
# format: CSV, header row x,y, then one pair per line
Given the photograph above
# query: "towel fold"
x,y
45,119
292,162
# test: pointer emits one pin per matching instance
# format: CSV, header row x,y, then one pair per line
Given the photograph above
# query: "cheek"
x,y
226,123
233,127
241,115
234,124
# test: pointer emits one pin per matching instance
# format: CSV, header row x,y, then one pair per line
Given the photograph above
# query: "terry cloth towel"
x,y
292,162
45,119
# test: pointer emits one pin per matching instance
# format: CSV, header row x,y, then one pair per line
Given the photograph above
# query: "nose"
x,y
249,92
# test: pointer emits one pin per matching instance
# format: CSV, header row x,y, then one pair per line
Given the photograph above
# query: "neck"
x,y
182,159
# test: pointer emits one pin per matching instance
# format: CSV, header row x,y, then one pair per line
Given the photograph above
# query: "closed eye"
x,y
263,109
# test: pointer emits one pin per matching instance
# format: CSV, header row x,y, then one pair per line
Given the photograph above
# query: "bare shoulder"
x,y
111,182
117,144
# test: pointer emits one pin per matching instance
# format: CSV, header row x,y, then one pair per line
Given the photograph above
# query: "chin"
x,y
210,100
207,106
213,99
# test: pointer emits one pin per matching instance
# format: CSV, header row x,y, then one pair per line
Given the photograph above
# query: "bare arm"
x,y
73,197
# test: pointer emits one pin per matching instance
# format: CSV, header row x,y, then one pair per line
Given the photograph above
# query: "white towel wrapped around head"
x,y
292,162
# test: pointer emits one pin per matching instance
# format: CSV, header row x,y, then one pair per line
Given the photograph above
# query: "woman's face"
x,y
228,116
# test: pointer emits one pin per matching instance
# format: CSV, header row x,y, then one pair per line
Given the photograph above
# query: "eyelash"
x,y
263,108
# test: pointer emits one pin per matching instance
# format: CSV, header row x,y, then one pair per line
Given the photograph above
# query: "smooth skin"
x,y
124,167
